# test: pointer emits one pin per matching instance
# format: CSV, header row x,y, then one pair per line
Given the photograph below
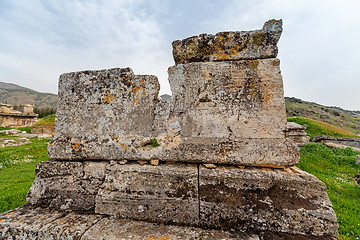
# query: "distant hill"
x,y
348,120
16,95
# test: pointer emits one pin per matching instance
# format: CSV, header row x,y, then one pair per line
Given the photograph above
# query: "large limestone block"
x,y
227,112
67,185
135,230
276,202
223,46
96,107
28,223
163,193
236,99
284,202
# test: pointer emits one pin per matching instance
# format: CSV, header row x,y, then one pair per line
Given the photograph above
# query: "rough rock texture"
x,y
27,223
296,133
285,201
224,46
228,112
67,185
250,199
357,161
164,193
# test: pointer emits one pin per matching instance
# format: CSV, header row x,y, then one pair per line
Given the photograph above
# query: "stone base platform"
x,y
33,223
212,196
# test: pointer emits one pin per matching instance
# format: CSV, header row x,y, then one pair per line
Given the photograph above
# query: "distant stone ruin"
x,y
23,117
211,162
351,142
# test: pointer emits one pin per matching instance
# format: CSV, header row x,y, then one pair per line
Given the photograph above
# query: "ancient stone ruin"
x,y
22,117
296,133
211,162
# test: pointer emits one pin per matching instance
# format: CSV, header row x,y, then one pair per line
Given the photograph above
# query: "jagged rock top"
x,y
226,46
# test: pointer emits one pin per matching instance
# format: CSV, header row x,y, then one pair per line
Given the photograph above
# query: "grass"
x,y
26,129
336,168
17,168
46,121
348,120
318,128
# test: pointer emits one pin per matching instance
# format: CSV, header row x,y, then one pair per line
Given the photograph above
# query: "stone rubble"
x,y
296,133
214,156
18,138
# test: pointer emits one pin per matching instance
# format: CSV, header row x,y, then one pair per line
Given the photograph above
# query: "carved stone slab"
x,y
288,201
165,193
28,223
225,46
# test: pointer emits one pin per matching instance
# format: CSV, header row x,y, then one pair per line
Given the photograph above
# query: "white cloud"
x,y
44,38
318,49
51,37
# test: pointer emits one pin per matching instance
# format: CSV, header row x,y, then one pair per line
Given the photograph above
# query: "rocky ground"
x,y
14,137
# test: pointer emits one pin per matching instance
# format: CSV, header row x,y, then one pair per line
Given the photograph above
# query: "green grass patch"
x,y
46,121
17,169
336,168
27,129
318,128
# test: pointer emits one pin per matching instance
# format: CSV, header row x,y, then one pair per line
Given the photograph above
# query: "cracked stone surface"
x,y
225,46
251,199
284,201
228,112
67,185
165,193
28,223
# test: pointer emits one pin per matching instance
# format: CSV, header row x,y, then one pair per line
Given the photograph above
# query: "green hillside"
x,y
348,120
318,128
46,121
17,95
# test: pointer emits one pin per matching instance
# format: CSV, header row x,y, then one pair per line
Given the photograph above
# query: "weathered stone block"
x,y
66,185
136,230
223,46
163,193
280,201
228,112
102,106
236,99
272,201
27,223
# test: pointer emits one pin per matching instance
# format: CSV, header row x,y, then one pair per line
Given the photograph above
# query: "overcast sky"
x,y
40,39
